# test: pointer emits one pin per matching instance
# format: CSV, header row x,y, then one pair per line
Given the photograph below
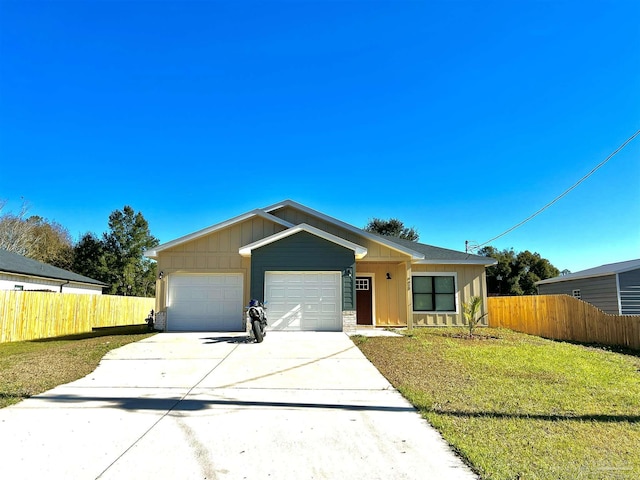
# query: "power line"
x,y
628,140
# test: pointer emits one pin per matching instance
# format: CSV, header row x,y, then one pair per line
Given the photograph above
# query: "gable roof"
x,y
418,252
153,253
358,250
415,255
18,264
602,270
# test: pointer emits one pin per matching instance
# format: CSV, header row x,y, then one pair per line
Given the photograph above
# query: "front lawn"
x,y
518,406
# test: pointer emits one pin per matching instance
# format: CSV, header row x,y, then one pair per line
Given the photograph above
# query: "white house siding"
x,y
601,291
21,282
629,292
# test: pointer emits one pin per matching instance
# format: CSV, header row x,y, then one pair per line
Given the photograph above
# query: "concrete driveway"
x,y
298,406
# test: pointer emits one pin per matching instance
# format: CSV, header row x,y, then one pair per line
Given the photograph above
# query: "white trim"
x,y
373,296
64,282
153,253
437,274
358,250
363,233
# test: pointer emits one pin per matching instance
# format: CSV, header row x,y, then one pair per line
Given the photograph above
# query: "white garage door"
x,y
205,303
303,300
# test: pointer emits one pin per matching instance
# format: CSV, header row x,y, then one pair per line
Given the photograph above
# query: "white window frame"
x,y
575,293
456,292
363,282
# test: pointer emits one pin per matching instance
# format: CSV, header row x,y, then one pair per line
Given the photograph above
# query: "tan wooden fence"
x,y
562,317
32,315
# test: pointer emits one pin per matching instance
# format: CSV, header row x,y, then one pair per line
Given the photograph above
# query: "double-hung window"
x,y
434,293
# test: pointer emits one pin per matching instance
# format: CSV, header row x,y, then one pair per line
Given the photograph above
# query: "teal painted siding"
x,y
304,252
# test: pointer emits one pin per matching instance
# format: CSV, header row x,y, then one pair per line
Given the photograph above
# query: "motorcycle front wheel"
x,y
257,330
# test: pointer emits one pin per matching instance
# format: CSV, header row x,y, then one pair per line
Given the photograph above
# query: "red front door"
x,y
364,301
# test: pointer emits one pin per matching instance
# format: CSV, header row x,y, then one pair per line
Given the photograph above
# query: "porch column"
x,y
409,296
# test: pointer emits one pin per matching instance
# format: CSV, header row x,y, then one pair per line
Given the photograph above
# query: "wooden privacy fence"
x,y
31,315
562,317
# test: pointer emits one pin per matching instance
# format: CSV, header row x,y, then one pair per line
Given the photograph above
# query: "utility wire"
x,y
565,192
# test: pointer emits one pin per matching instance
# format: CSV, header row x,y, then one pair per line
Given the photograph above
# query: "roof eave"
x,y
456,262
359,251
568,278
58,279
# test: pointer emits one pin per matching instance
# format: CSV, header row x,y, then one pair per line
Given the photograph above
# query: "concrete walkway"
x,y
298,406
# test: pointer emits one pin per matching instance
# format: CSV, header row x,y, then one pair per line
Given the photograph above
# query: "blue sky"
x,y
460,118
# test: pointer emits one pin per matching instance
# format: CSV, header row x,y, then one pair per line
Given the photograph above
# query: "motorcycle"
x,y
258,319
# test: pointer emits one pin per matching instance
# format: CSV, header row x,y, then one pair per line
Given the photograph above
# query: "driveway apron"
x,y
300,405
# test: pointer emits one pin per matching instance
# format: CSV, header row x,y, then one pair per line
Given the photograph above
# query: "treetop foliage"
x,y
35,237
116,259
392,228
518,272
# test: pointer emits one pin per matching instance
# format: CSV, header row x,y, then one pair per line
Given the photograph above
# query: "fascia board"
x,y
29,276
486,263
153,253
358,250
568,278
369,236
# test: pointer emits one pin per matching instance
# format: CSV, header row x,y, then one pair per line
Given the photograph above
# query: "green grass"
x,y
518,406
32,367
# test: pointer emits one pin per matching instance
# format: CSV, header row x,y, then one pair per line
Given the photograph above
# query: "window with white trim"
x,y
576,294
362,284
434,292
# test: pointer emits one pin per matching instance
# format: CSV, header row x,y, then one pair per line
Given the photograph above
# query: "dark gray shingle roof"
x,y
608,269
439,254
14,263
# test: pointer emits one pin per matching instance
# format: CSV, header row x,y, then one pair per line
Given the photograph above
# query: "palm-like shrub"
x,y
471,309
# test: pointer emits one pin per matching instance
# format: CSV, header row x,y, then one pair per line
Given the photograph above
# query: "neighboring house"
x,y
21,273
613,288
315,273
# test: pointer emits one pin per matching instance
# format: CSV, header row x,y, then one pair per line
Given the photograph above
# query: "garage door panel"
x,y
205,302
304,300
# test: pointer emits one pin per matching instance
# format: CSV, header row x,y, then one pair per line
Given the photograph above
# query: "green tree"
x,y
516,273
127,270
392,228
89,259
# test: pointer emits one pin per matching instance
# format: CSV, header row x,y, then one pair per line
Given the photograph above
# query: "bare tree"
x,y
16,234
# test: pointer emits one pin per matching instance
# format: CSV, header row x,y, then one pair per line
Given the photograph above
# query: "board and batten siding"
x,y
629,292
389,297
216,252
601,291
376,252
303,252
470,281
